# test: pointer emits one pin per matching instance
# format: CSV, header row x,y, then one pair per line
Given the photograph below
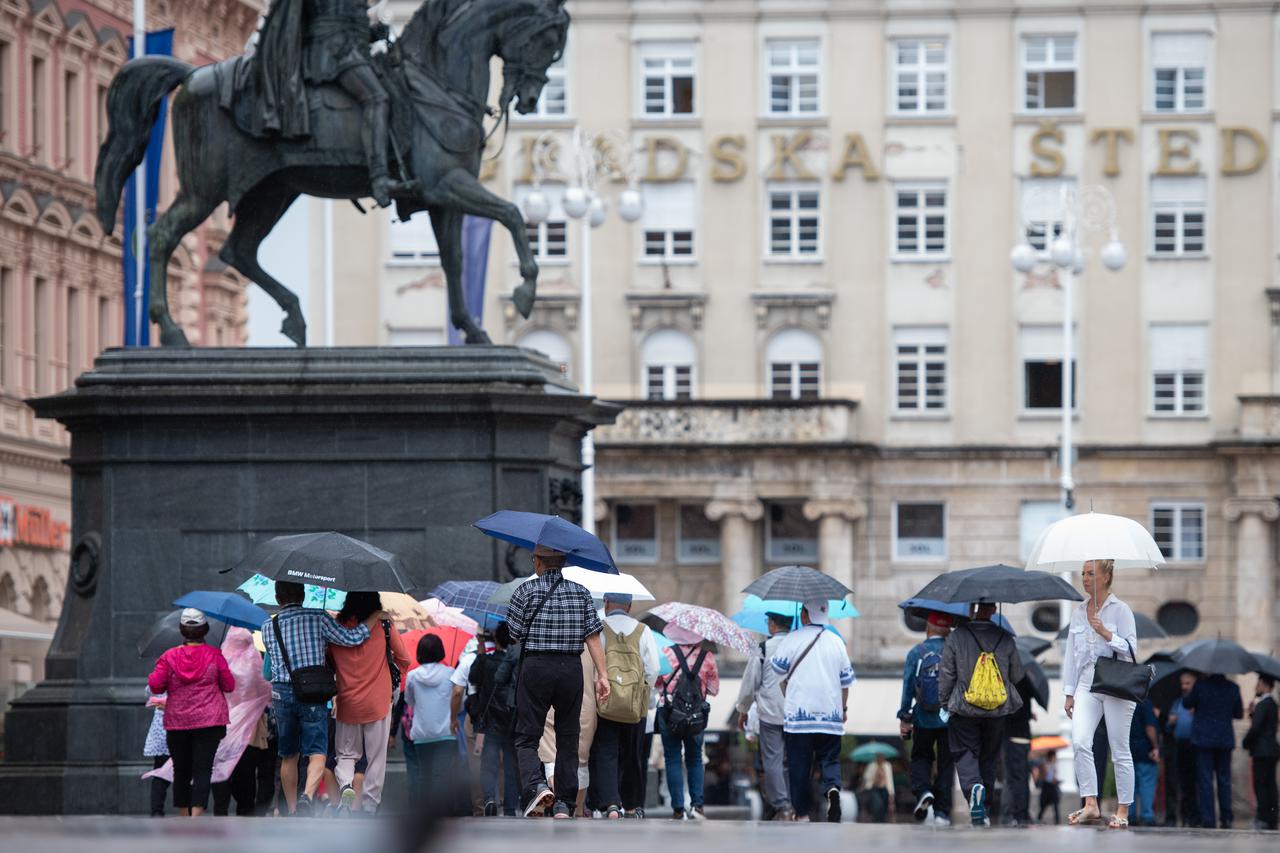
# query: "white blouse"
x,y
1085,645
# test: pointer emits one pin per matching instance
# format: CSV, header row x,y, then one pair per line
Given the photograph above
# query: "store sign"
x,y
31,527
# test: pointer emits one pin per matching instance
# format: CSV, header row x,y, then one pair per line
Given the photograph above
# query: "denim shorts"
x,y
301,728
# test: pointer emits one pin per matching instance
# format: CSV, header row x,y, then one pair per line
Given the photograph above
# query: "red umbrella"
x,y
454,639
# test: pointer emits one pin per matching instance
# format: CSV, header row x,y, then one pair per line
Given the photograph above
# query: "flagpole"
x,y
140,256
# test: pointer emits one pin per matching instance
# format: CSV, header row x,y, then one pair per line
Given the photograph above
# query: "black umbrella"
x,y
999,583
1033,645
164,635
1035,677
1216,657
1148,628
797,583
1267,665
1166,683
329,560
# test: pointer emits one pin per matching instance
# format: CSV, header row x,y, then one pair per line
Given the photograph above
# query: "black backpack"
x,y
687,710
492,706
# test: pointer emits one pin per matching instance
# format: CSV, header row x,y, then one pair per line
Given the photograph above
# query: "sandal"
x,y
613,813
1082,817
1117,822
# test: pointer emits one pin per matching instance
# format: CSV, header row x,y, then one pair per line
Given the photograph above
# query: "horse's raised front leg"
x,y
184,216
447,225
461,191
257,214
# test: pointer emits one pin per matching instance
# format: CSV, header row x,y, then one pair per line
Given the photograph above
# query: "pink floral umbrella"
x,y
452,617
708,624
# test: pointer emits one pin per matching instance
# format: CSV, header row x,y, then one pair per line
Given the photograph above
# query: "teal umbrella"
x,y
262,590
867,752
753,616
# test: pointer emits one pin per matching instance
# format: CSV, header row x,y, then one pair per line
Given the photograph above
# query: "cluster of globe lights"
x,y
578,202
1066,255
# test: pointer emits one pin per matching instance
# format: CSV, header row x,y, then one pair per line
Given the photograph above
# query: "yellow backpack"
x,y
986,688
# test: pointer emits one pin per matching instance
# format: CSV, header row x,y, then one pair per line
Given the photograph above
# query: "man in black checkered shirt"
x,y
553,634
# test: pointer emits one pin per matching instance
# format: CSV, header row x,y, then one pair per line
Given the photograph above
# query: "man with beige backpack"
x,y
617,763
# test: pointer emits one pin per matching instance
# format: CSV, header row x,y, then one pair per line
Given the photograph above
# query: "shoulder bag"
x,y
312,685
1128,680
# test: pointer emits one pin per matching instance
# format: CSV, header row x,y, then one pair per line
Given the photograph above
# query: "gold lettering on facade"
x,y
1171,149
786,150
1229,165
856,156
1113,136
730,165
653,148
1047,131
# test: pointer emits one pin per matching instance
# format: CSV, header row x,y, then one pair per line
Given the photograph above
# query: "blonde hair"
x,y
1107,567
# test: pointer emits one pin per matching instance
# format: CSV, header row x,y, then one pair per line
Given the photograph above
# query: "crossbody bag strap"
x,y
536,613
787,679
284,653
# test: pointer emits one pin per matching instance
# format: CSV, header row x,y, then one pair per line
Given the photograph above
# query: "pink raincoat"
x,y
246,702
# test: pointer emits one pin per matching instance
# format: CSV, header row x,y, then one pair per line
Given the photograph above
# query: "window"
x,y
667,73
1178,216
554,100
6,80
549,240
668,356
795,365
1178,529
6,329
1033,518
1042,351
790,537
71,117
920,72
551,344
1042,206
921,221
794,68
635,533
73,334
412,241
794,224
1049,72
920,359
101,96
668,221
699,536
1179,63
40,335
1179,361
106,337
39,94
1178,618
919,531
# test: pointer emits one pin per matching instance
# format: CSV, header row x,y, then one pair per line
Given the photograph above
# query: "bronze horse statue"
x,y
437,77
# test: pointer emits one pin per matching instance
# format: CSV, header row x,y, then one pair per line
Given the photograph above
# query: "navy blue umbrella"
x,y
229,607
531,529
958,608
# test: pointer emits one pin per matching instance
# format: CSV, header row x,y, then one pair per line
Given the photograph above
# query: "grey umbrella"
x,y
330,560
797,583
999,583
1033,645
1035,676
1267,665
1148,628
164,634
1216,657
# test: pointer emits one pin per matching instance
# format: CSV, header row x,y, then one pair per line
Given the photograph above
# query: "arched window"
x,y
551,344
41,601
669,357
8,593
795,365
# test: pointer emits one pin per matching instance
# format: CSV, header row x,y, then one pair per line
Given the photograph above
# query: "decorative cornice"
x,y
749,508
850,509
1267,508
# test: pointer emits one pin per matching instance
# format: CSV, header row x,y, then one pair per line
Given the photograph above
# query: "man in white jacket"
x,y
760,687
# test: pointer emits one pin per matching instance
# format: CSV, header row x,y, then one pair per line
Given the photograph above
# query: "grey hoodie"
x,y
960,655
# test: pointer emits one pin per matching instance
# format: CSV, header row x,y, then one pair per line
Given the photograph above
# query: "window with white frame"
x,y
1179,72
919,530
921,221
794,68
1049,72
1178,213
795,223
920,368
412,241
550,239
1179,363
670,212
668,72
699,536
1041,350
1033,518
669,357
1042,210
552,344
1178,529
790,537
794,358
921,68
635,533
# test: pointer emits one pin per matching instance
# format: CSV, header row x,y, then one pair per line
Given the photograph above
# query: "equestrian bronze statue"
x,y
313,111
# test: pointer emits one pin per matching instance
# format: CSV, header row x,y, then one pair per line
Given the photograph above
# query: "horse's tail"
x,y
133,104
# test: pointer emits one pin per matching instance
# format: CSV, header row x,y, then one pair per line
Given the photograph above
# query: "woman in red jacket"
x,y
195,675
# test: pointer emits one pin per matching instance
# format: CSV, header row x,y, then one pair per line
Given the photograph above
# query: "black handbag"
x,y
1128,680
312,685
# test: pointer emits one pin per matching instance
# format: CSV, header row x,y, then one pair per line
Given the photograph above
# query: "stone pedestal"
x,y
182,460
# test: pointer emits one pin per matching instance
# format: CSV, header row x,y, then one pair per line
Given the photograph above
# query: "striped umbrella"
x,y
797,583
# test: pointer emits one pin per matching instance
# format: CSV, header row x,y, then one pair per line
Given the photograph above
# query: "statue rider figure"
x,y
329,41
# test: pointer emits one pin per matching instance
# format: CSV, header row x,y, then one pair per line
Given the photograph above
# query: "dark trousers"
x,y
1016,804
192,751
549,681
159,788
243,784
498,759
1169,770
1210,764
617,769
1050,797
1264,786
802,751
1188,783
930,747
975,749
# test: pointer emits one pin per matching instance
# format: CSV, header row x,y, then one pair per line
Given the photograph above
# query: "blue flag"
x,y
159,43
475,268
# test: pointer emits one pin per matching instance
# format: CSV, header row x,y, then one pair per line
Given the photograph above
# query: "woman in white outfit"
x,y
1102,626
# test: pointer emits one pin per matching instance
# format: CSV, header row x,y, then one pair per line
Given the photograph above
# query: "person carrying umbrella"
x,y
1215,701
760,689
921,720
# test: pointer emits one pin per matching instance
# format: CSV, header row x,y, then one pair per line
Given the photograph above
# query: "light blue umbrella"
x,y
664,665
753,615
262,590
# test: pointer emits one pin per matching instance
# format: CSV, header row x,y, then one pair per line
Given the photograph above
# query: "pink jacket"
x,y
195,677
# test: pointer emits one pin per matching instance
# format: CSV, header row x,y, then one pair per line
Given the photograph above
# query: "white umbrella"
x,y
599,584
1067,544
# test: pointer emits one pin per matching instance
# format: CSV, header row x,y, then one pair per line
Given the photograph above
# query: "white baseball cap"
x,y
191,616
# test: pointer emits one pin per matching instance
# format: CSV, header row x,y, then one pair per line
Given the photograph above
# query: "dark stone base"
x,y
182,460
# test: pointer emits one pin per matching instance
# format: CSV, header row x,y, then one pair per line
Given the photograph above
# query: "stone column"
x,y
835,517
737,517
1254,567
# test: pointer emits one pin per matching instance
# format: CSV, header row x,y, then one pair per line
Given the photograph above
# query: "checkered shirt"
x,y
568,618
305,633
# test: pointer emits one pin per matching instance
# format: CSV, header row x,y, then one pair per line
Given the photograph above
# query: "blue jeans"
x,y
678,750
301,728
499,749
1146,773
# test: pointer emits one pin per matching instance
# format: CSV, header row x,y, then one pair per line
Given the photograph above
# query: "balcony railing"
x,y
741,422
